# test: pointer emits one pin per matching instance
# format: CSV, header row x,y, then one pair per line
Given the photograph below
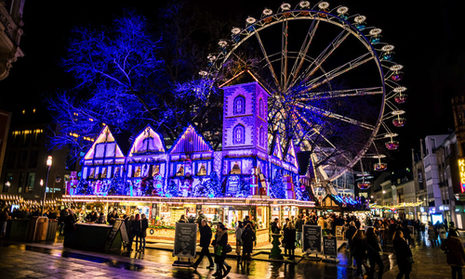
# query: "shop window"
x,y
156,170
239,134
104,173
92,173
180,171
117,171
137,172
239,105
202,170
236,169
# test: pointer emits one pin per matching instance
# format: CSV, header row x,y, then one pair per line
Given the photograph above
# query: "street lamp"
x,y
49,165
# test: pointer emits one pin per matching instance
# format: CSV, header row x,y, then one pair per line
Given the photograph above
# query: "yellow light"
x,y
461,163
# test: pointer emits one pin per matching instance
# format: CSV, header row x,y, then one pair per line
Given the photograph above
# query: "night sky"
x,y
426,38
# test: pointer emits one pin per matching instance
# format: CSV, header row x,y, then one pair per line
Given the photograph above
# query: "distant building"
x,y
24,168
11,14
5,118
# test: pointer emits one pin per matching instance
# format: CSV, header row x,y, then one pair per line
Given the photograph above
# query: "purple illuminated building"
x,y
251,162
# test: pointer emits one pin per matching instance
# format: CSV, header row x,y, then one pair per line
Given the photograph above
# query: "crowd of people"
x,y
367,239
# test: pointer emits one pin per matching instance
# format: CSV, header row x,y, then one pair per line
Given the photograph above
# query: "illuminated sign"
x,y
461,163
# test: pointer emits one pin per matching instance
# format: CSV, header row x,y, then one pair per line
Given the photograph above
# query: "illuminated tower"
x,y
245,134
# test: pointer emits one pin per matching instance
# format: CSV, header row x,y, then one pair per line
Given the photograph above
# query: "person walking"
x,y
238,233
358,250
144,224
3,222
374,253
205,238
298,230
431,234
349,234
136,225
289,236
219,243
455,253
248,238
128,222
69,226
403,255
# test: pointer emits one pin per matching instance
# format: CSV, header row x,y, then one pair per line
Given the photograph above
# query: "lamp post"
x,y
49,165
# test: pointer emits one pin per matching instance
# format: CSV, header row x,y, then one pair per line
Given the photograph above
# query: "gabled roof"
x,y
190,142
290,155
147,142
104,146
276,149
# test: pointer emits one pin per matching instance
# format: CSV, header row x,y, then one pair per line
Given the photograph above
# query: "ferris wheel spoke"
x,y
341,93
284,45
334,115
327,77
265,55
302,54
337,41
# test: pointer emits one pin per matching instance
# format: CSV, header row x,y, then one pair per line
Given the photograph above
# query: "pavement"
x,y
51,260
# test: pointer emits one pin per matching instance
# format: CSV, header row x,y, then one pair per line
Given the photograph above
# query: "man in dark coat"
x,y
205,238
248,238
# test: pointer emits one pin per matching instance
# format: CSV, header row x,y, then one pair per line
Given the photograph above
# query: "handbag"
x,y
227,248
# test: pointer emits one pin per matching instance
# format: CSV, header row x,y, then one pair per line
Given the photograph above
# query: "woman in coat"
x,y
403,255
455,253
248,238
358,249
219,244
374,253
289,236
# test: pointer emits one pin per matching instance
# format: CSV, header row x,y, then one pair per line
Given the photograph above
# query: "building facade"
x,y
11,13
250,163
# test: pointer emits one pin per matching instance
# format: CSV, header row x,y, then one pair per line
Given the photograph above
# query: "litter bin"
x,y
40,229
52,230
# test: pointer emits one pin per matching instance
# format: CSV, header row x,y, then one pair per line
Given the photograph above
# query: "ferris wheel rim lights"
x,y
285,6
320,12
396,67
304,4
398,112
323,5
387,48
267,12
342,10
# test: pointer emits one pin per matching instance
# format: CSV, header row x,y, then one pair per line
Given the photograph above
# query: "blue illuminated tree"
x,y
214,185
277,187
243,188
172,189
121,81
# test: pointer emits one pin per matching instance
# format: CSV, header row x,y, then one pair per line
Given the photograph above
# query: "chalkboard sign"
x,y
124,233
330,246
185,238
112,235
311,238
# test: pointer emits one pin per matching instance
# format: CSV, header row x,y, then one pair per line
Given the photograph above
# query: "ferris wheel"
x,y
335,89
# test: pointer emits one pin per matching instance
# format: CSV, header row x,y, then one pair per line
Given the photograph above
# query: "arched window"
x,y
261,108
261,136
239,105
239,134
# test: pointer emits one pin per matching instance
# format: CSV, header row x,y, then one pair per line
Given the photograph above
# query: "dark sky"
x,y
426,38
